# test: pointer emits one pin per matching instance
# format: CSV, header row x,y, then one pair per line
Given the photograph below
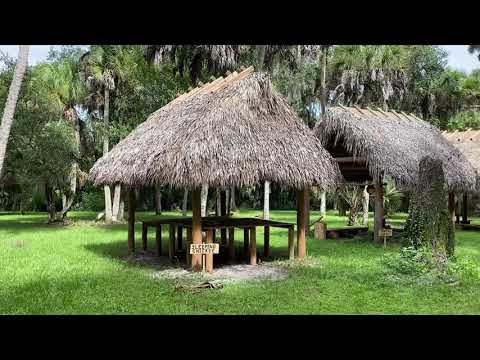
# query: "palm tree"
x,y
65,89
9,110
105,66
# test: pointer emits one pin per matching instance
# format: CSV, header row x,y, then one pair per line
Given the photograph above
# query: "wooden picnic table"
x,y
210,224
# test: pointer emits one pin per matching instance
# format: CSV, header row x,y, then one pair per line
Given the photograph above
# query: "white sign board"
x,y
202,249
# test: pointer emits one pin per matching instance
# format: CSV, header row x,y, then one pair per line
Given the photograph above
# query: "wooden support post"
x,y
465,209
266,241
187,246
253,246
209,257
131,221
231,244
451,207
223,212
171,242
246,242
196,227
158,239
291,243
144,236
379,211
301,224
179,237
307,211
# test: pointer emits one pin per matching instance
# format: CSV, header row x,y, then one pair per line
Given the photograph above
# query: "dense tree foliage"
x,y
60,120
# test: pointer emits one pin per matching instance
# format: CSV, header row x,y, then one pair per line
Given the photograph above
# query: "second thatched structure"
x,y
371,144
234,131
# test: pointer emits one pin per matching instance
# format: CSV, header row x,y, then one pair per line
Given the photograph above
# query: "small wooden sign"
x,y
203,249
385,232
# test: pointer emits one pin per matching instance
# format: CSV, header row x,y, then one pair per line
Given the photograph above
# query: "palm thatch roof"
x,y
234,131
393,144
468,142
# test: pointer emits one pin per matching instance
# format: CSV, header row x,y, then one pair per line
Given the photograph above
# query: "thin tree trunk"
x,y
116,202
365,202
266,201
204,198
121,209
227,202
323,204
323,75
158,200
13,92
233,206
106,188
185,202
219,202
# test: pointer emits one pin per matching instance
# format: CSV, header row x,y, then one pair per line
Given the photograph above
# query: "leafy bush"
x,y
92,200
420,265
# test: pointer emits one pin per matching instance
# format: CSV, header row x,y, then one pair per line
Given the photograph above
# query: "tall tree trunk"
x,y
219,202
121,209
266,200
106,188
158,200
227,202
116,202
323,75
72,117
323,204
233,206
342,211
185,202
9,110
50,197
365,202
203,200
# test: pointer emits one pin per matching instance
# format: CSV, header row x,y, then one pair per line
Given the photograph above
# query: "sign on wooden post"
x,y
384,233
204,250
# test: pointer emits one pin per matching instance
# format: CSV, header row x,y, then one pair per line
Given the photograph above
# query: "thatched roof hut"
x,y
393,144
468,142
235,131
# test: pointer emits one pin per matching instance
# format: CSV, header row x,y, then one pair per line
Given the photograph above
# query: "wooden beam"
x,y
209,257
266,241
253,245
301,224
231,243
246,242
379,210
465,209
350,159
144,236
131,220
179,236
196,227
171,242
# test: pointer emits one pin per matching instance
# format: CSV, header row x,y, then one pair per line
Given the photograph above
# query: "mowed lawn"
x,y
82,269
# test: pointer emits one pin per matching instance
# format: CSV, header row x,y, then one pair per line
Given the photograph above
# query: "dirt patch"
x,y
228,273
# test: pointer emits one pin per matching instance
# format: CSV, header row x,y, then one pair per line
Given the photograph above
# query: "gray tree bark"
x,y
185,202
266,200
233,205
116,202
13,92
365,202
203,199
106,188
323,204
158,200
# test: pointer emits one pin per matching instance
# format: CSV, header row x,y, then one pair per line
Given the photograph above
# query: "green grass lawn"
x,y
81,269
